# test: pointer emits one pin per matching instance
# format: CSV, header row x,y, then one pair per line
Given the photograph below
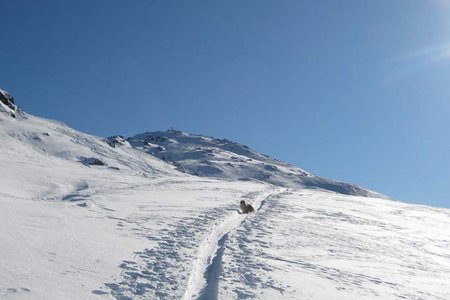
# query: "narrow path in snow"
x,y
211,289
203,281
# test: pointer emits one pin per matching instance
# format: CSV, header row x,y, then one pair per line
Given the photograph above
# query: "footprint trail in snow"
x,y
163,272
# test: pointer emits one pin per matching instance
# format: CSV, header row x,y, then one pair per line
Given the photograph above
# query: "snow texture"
x,y
159,218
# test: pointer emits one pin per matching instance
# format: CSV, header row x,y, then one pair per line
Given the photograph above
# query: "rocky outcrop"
x,y
7,99
7,105
116,141
92,161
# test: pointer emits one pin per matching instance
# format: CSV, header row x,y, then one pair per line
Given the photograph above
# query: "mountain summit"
x,y
221,158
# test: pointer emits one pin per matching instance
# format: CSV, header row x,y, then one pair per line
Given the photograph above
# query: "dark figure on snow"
x,y
246,208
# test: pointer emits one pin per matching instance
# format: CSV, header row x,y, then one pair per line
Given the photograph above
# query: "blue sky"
x,y
357,91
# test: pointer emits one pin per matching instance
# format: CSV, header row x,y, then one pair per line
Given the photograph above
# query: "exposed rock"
x,y
116,140
92,161
7,99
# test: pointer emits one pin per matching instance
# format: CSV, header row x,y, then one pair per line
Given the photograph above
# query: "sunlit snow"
x,y
156,216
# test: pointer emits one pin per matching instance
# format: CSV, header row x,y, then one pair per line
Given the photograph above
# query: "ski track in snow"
x,y
212,247
163,272
245,246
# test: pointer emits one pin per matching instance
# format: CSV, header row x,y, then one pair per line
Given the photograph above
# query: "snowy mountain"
x,y
227,160
155,216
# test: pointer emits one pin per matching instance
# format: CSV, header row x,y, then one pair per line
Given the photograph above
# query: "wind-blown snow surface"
x,y
80,219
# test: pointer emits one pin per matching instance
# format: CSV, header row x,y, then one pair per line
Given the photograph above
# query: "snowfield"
x,y
83,217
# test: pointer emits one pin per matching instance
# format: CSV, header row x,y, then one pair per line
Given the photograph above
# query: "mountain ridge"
x,y
207,156
192,154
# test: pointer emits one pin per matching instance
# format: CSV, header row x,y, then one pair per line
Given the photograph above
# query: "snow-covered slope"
x,y
46,158
81,219
224,159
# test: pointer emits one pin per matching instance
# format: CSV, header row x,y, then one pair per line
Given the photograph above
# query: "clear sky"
x,y
357,91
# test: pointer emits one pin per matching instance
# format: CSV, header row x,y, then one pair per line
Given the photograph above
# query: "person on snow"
x,y
246,208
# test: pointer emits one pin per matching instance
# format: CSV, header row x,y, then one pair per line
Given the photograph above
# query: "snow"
x,y
209,247
339,247
139,227
227,160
